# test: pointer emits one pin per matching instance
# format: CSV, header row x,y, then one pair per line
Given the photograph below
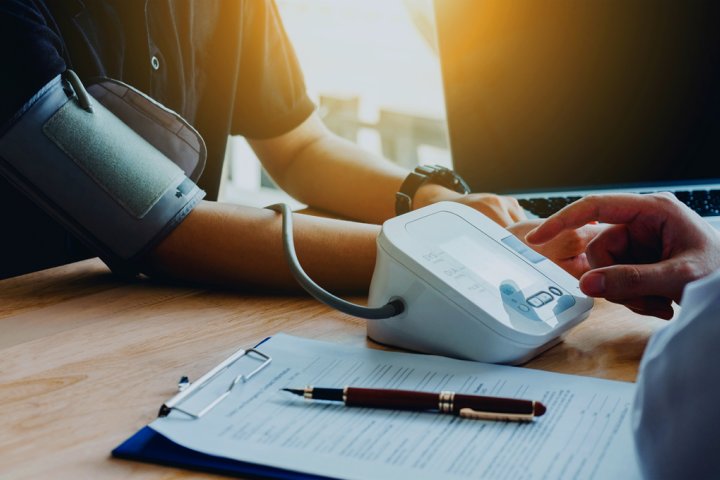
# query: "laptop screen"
x,y
559,94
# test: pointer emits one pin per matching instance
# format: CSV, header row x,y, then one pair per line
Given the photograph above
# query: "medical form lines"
x,y
578,424
361,443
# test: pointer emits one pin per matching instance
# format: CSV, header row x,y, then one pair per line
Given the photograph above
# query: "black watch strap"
x,y
422,175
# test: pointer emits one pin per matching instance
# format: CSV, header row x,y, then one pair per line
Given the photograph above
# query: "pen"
x,y
467,406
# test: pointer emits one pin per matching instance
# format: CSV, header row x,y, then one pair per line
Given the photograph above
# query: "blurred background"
x,y
371,66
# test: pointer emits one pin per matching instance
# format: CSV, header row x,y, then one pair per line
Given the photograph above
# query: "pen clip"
x,y
510,417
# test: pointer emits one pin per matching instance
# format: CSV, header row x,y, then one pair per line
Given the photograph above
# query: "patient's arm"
x,y
329,173
242,246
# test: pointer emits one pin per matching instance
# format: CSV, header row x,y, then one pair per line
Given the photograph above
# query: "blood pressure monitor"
x,y
470,288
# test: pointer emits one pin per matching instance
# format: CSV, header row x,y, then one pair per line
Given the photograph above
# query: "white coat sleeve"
x,y
676,415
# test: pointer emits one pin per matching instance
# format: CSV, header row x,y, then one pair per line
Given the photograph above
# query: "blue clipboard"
x,y
149,446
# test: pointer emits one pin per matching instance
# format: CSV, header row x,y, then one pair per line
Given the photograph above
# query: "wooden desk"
x,y
86,360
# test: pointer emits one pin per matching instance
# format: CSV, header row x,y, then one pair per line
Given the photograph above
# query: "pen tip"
x,y
539,409
296,391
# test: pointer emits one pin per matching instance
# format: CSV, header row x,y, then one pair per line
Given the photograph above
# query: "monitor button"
x,y
535,301
545,297
555,291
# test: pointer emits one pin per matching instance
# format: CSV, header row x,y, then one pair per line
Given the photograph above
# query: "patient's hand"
x,y
502,210
567,249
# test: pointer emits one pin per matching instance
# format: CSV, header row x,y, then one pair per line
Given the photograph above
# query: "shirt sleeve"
x,y
31,55
676,416
271,97
31,58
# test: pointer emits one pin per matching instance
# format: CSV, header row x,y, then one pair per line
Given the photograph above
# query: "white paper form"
x,y
584,434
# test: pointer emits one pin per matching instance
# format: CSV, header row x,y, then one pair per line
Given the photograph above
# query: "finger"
x,y
660,307
569,243
506,219
577,241
518,215
575,266
608,246
622,282
664,314
616,208
516,212
497,214
642,305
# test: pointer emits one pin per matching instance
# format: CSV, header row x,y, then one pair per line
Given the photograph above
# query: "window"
x,y
372,68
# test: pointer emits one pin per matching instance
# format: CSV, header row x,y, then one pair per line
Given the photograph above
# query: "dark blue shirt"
x,y
226,66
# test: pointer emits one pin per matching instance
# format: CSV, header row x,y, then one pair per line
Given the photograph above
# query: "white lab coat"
x,y
676,416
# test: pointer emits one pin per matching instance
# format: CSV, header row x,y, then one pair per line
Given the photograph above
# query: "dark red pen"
x,y
468,406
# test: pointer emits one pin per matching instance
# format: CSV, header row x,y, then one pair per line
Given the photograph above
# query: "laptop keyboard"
x,y
705,202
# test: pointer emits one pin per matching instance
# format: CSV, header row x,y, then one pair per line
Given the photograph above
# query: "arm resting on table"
x,y
242,246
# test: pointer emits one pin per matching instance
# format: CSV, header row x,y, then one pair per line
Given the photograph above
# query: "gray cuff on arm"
x,y
112,185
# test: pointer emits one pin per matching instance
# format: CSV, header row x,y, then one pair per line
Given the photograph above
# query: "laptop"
x,y
551,100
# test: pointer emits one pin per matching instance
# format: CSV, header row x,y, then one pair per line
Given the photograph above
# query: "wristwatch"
x,y
422,175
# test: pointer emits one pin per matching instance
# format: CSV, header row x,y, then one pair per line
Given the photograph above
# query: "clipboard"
x,y
263,433
149,446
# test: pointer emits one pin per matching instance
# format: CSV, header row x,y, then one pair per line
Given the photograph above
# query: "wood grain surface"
x,y
87,359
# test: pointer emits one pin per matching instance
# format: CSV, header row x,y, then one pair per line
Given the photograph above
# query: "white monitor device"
x,y
471,289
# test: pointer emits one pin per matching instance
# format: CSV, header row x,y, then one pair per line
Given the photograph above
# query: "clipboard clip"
x,y
187,389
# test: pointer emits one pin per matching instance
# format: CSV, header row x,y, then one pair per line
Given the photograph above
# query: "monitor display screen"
x,y
486,271
490,261
553,94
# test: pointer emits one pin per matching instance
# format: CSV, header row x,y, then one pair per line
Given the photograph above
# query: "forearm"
x,y
330,173
241,246
336,175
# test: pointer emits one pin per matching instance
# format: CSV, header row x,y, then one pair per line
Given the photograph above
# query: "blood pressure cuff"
x,y
115,168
